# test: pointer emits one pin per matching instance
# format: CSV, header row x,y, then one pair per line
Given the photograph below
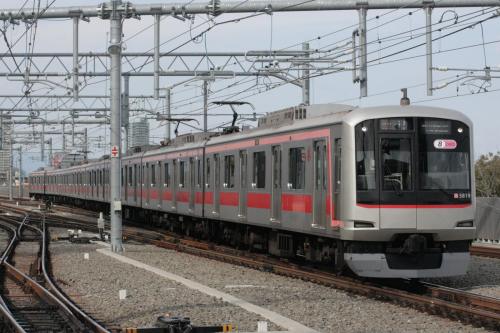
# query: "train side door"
x,y
276,184
174,183
337,179
320,183
217,184
191,184
242,213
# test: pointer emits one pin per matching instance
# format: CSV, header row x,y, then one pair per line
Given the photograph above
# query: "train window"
x,y
135,175
167,175
396,124
181,173
365,156
296,168
396,163
198,173
153,175
229,171
130,174
122,177
207,170
338,164
259,169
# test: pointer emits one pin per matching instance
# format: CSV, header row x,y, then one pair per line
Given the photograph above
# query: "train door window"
x,y
130,174
207,170
229,171
167,175
338,164
153,175
181,173
243,169
296,168
259,170
198,172
397,164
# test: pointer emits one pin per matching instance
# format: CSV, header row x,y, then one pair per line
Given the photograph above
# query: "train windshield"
x,y
412,160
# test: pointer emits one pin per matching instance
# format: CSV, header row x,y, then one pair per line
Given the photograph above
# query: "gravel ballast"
x,y
99,279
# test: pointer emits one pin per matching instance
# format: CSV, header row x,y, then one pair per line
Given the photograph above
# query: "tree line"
x,y
488,175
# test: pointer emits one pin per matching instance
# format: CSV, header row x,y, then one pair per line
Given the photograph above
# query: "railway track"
x,y
431,298
485,251
30,301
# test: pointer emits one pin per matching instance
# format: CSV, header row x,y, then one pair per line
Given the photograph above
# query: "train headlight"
x,y
363,224
465,224
460,130
364,128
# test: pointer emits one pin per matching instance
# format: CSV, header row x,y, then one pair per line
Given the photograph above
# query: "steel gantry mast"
x,y
115,11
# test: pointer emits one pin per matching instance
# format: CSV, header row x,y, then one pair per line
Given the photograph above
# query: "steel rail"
x,y
485,251
53,295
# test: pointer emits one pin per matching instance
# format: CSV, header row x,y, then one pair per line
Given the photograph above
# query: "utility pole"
x,y
85,145
115,50
363,66
75,58
156,92
42,143
64,138
50,152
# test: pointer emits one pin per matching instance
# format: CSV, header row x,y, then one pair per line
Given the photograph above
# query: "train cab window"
x,y
229,171
182,170
296,168
207,170
167,175
259,169
153,175
365,156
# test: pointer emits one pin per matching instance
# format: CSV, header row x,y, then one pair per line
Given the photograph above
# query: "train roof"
x,y
291,119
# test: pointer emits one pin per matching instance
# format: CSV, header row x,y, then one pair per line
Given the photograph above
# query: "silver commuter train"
x,y
387,191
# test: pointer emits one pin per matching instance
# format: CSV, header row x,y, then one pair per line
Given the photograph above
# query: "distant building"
x,y
139,133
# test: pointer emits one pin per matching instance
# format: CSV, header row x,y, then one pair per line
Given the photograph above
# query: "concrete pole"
x,y
363,66
73,133
125,111
156,92
306,84
428,44
115,50
168,110
75,58
205,105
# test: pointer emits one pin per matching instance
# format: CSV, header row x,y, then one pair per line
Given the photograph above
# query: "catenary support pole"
x,y
205,105
428,44
11,157
156,92
85,145
21,179
42,143
363,66
51,156
64,138
115,50
168,95
126,112
306,83
75,59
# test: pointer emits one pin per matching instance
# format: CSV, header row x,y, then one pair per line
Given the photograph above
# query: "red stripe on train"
x,y
296,203
229,198
414,206
259,200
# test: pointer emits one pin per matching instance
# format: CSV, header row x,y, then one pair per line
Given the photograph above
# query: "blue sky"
x,y
285,30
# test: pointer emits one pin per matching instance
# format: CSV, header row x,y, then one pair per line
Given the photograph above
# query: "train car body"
x,y
387,191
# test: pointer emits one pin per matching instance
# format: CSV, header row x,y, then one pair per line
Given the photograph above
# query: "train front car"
x,y
409,204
